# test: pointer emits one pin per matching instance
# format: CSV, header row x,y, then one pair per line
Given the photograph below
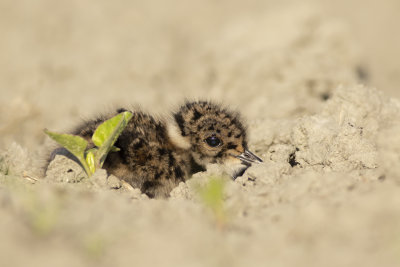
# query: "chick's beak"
x,y
248,158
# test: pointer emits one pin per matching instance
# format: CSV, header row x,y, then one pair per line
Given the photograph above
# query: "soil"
x,y
318,94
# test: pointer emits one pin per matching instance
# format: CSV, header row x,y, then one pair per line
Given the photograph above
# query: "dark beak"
x,y
248,158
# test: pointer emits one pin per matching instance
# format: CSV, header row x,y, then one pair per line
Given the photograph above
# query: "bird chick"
x,y
156,155
214,135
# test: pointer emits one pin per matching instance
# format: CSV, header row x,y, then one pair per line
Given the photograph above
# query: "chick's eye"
x,y
213,141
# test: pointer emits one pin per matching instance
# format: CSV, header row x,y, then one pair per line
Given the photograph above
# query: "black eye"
x,y
213,141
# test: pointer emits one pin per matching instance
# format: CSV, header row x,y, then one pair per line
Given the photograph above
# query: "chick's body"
x,y
147,159
156,155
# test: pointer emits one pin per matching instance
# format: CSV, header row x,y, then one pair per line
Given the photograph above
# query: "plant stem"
x,y
86,167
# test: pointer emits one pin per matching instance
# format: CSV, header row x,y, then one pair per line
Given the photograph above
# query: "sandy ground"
x,y
316,81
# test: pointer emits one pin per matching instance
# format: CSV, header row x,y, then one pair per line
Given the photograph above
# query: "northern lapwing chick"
x,y
156,155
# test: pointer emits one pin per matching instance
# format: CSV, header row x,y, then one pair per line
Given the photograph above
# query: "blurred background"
x,y
64,60
320,199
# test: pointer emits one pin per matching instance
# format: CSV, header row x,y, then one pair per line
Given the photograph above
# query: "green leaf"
x,y
74,144
107,134
90,160
105,130
212,195
115,149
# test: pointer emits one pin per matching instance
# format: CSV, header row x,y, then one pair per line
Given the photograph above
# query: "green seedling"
x,y
103,138
41,214
212,195
43,218
4,169
94,245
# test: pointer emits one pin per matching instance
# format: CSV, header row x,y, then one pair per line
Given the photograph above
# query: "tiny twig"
x,y
29,177
127,186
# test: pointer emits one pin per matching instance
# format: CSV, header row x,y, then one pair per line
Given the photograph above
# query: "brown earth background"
x,y
316,81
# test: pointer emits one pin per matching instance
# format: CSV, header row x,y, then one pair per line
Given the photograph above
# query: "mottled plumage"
x,y
155,155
